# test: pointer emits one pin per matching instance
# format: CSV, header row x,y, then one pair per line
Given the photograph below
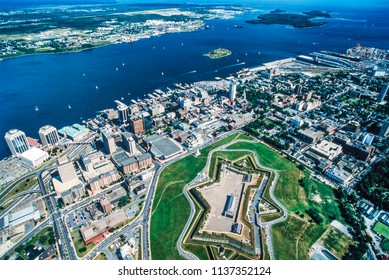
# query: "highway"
x,y
17,182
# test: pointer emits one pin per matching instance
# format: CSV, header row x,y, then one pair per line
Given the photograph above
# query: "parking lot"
x,y
77,218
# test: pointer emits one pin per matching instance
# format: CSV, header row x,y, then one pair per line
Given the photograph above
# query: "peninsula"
x,y
296,20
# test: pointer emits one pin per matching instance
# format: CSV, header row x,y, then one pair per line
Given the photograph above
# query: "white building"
x,y
232,94
339,175
22,216
17,141
48,135
34,157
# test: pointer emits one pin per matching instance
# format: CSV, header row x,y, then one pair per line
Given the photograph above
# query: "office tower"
x,y
383,93
123,112
17,141
48,135
129,143
233,91
109,142
137,125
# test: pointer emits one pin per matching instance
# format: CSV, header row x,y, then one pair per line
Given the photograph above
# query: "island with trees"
x,y
302,20
218,53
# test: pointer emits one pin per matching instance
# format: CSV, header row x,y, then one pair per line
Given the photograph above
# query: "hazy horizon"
x,y
307,3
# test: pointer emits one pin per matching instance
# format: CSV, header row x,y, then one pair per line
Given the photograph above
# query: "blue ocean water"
x,y
53,82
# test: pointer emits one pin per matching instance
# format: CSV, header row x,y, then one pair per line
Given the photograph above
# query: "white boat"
x,y
36,108
83,74
163,73
123,64
122,98
117,69
97,88
69,107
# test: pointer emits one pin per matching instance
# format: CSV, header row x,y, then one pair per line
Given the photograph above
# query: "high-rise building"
x,y
109,142
48,135
123,113
185,104
298,89
17,141
383,93
137,125
233,91
129,143
385,129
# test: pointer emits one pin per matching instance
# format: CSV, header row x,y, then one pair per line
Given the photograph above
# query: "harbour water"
x,y
70,87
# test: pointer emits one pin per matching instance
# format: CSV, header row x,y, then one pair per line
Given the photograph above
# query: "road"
x,y
17,182
64,242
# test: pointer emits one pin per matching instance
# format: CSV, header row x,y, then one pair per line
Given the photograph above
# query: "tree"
x,y
43,239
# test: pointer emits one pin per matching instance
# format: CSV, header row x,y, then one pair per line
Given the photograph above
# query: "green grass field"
x,y
21,187
382,229
170,209
101,257
79,244
336,241
199,250
385,245
266,156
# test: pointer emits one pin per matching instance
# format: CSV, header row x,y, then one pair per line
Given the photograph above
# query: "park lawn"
x,y
199,250
101,257
242,258
293,238
21,187
245,137
289,191
336,241
266,156
79,244
382,229
385,245
230,156
170,209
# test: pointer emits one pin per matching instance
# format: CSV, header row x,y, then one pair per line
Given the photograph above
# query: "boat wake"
x,y
228,66
187,73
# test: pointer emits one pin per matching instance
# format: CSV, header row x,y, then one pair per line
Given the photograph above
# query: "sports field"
x,y
382,229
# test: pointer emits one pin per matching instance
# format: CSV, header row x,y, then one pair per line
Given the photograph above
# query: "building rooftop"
x,y
327,149
34,154
165,147
100,226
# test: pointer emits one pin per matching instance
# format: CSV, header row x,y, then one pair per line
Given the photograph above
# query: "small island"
x,y
296,20
218,53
